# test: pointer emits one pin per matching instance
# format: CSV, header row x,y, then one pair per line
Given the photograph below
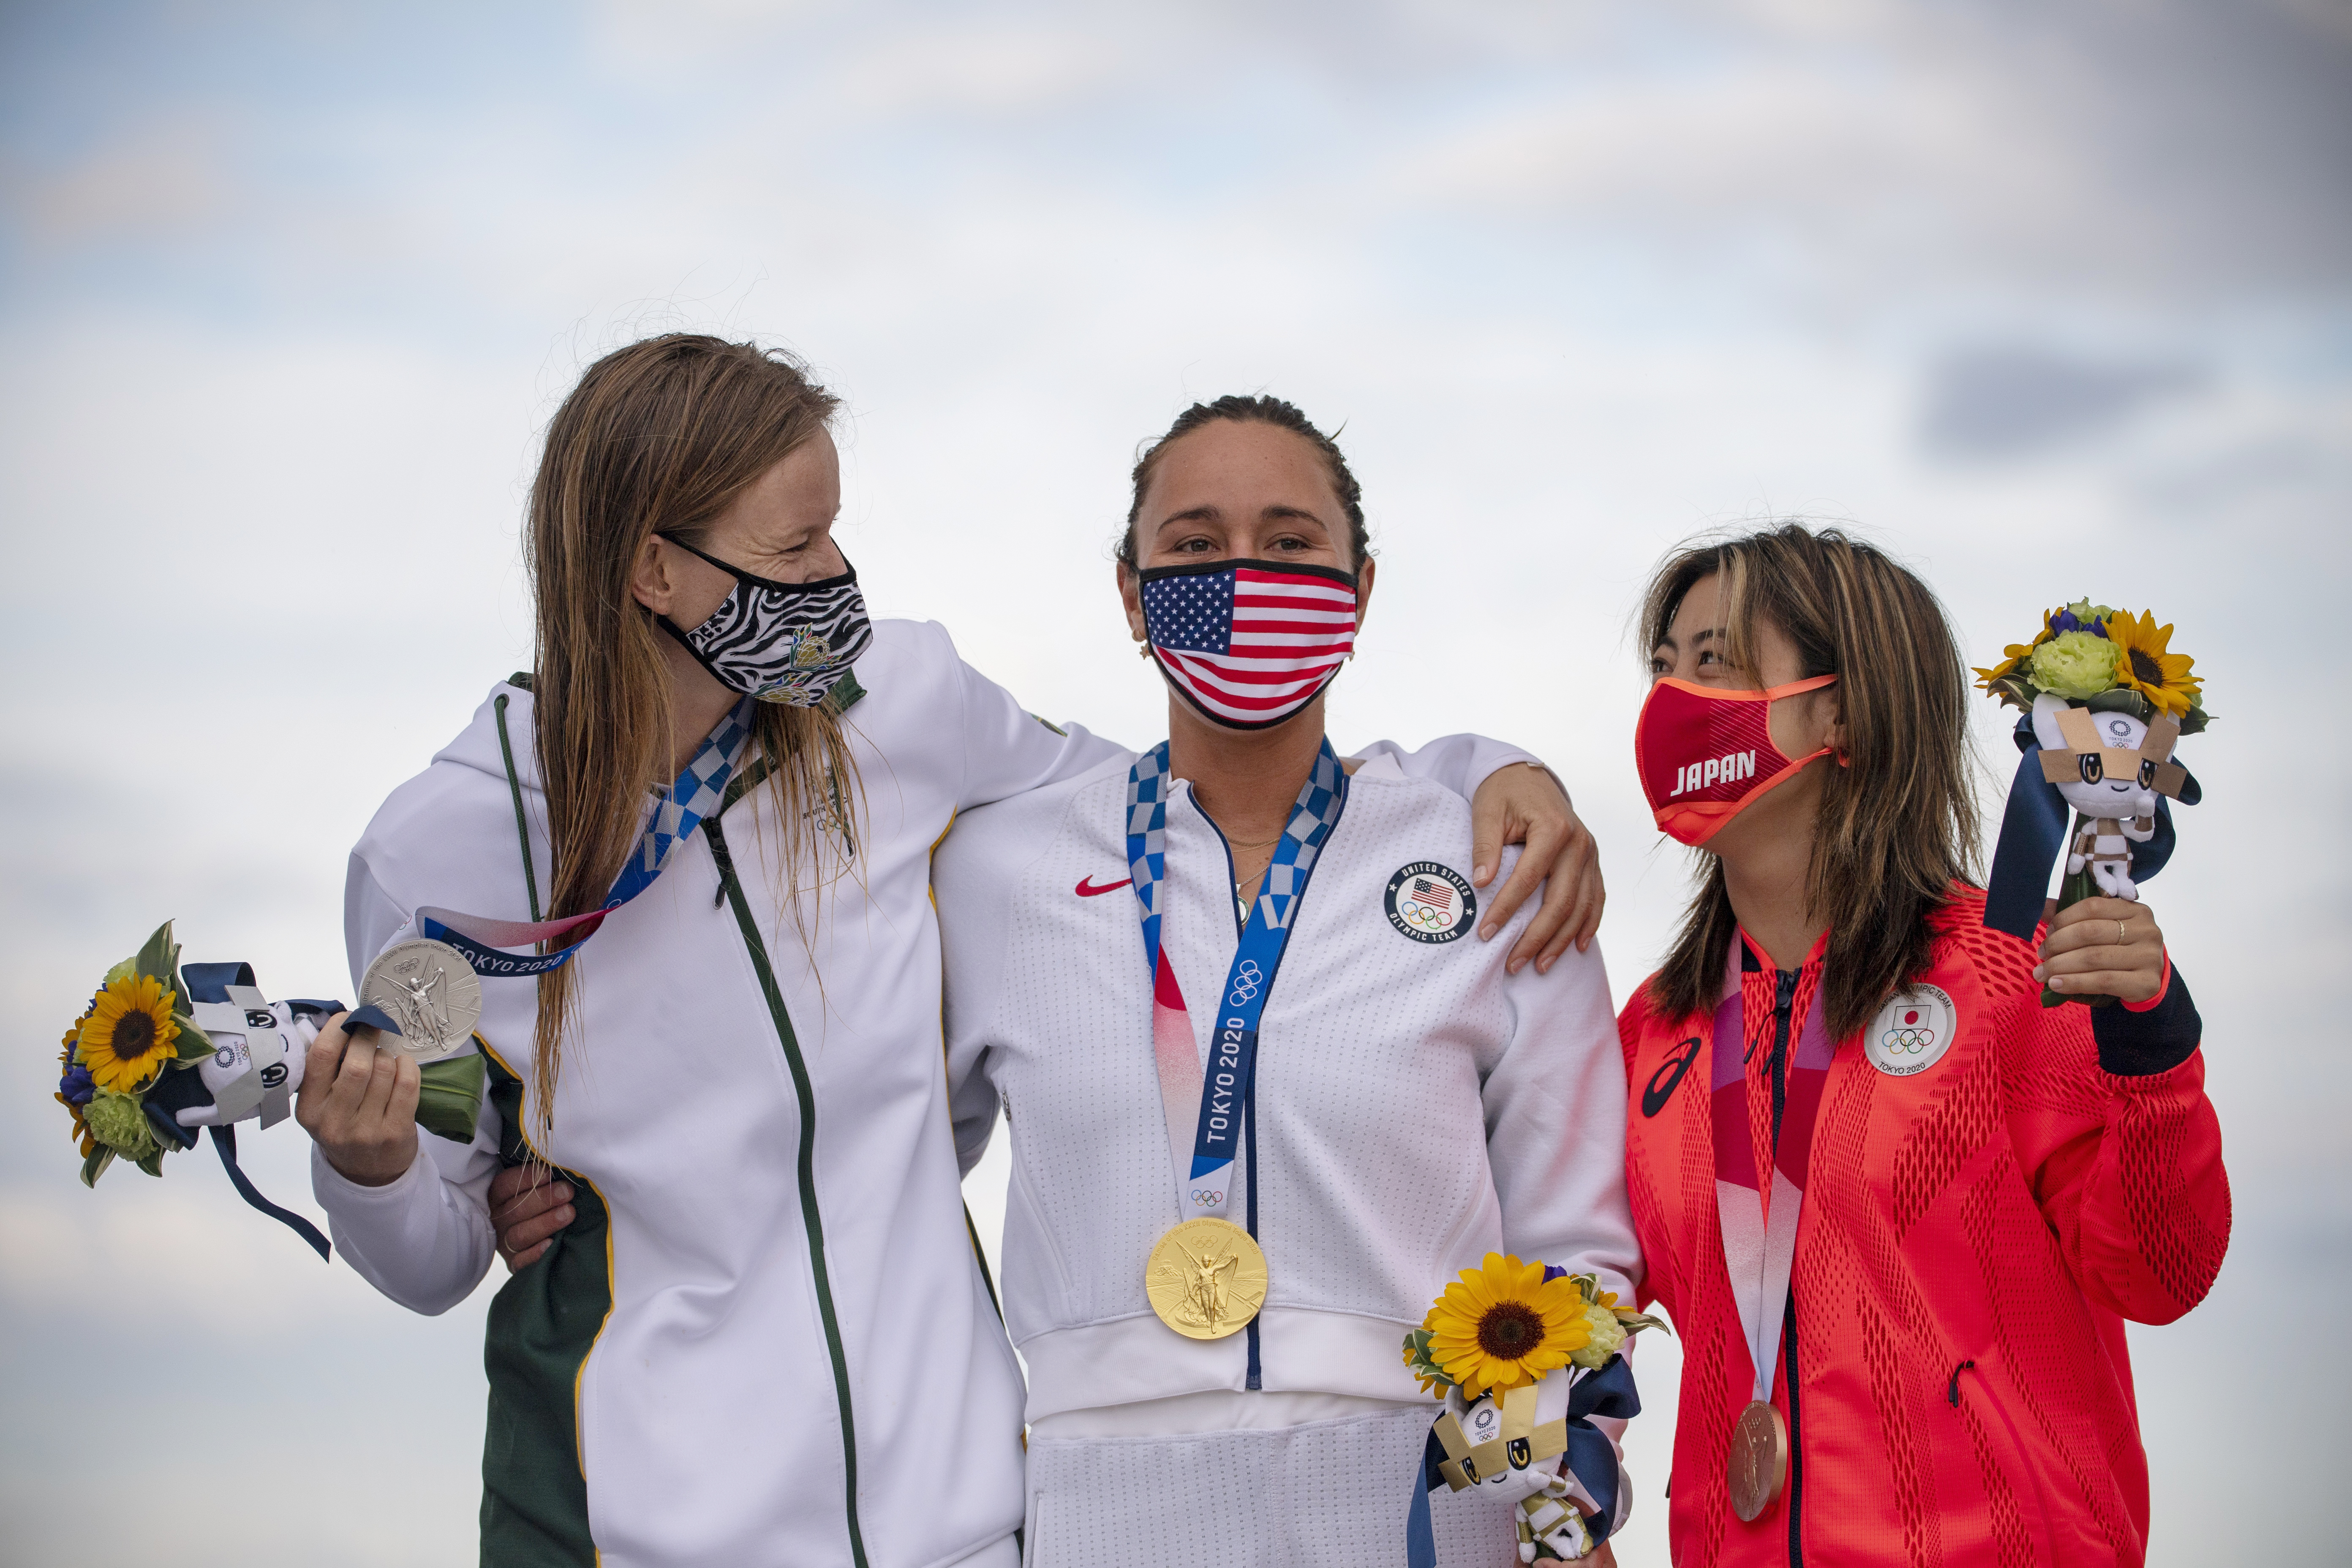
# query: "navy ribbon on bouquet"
x,y
210,982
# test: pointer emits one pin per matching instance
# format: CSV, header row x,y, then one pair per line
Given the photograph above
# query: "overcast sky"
x,y
2053,299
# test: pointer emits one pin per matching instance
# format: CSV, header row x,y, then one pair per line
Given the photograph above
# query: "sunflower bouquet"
x,y
2106,660
1498,1331
1508,1323
2103,700
138,1027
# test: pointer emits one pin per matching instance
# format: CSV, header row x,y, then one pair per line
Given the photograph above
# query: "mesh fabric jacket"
x,y
1972,1239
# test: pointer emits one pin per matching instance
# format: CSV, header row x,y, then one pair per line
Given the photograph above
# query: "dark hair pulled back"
x,y
1256,410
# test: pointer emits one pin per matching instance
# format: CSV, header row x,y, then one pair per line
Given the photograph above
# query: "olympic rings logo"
x,y
1911,1042
1207,1199
1423,916
1247,982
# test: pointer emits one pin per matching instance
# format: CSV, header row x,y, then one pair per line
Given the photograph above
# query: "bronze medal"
x,y
1206,1279
1757,1461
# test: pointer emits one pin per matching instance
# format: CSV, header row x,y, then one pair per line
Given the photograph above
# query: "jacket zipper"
x,y
1784,1001
811,1220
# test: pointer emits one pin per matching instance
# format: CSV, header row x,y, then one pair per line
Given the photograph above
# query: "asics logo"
x,y
1664,1081
1086,889
1248,981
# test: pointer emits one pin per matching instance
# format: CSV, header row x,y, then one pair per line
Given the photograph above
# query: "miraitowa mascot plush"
x,y
1524,1358
2105,701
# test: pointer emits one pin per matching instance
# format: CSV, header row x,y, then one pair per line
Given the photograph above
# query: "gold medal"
x,y
1206,1277
1757,1461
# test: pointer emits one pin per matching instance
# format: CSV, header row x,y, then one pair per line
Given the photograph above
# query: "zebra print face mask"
x,y
780,642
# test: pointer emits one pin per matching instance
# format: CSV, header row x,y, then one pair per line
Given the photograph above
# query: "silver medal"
x,y
430,991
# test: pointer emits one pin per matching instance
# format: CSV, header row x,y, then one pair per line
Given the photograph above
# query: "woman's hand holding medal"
x,y
2103,947
360,1104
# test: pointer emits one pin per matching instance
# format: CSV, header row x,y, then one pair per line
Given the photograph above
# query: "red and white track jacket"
x,y
1974,1235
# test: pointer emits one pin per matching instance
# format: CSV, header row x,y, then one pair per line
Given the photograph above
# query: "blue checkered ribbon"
x,y
1146,842
695,794
1312,818
1227,1086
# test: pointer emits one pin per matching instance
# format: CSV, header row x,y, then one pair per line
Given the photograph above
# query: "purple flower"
x,y
2082,615
77,1086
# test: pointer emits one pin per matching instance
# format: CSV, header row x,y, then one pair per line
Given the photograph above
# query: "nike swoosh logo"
x,y
1654,1094
1086,889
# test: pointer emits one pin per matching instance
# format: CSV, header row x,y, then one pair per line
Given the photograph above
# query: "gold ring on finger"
x,y
2122,937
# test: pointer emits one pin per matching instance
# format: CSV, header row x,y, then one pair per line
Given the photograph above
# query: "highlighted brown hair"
x,y
658,437
1898,825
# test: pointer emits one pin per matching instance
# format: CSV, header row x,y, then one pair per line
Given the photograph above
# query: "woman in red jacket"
x,y
1862,1157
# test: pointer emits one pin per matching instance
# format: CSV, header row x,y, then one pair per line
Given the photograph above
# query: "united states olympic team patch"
x,y
1430,902
1911,1032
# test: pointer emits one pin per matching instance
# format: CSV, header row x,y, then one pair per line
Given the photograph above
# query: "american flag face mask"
x,y
1249,643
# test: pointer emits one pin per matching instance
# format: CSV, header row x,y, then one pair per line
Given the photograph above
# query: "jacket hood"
x,y
477,745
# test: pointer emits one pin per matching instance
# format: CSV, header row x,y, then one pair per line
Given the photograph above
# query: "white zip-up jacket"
x,y
766,1339
1416,1107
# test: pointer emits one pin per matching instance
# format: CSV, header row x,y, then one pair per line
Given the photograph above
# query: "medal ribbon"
x,y
1203,1182
1760,1242
697,793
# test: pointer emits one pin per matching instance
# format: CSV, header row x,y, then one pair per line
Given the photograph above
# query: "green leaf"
x,y
194,1044
1634,1322
449,1099
95,1166
158,956
2016,692
153,1163
123,970
2122,699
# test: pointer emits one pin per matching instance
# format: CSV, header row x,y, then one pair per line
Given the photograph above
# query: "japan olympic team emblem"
x,y
1911,1031
1430,902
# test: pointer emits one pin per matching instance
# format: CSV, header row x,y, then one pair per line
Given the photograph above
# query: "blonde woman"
x,y
807,1369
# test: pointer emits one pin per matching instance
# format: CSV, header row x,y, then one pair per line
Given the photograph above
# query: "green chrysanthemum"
x,y
1608,1336
120,1123
2075,665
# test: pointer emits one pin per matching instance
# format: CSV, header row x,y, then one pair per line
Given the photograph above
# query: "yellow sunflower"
x,y
129,1033
2016,653
1503,1324
2142,665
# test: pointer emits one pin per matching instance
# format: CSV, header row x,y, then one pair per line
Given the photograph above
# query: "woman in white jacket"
x,y
1375,1102
808,1371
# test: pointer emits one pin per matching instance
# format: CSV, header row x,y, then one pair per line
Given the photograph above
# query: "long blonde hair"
x,y
1898,824
658,437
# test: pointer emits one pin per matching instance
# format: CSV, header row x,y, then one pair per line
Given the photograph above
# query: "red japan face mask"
x,y
1707,754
